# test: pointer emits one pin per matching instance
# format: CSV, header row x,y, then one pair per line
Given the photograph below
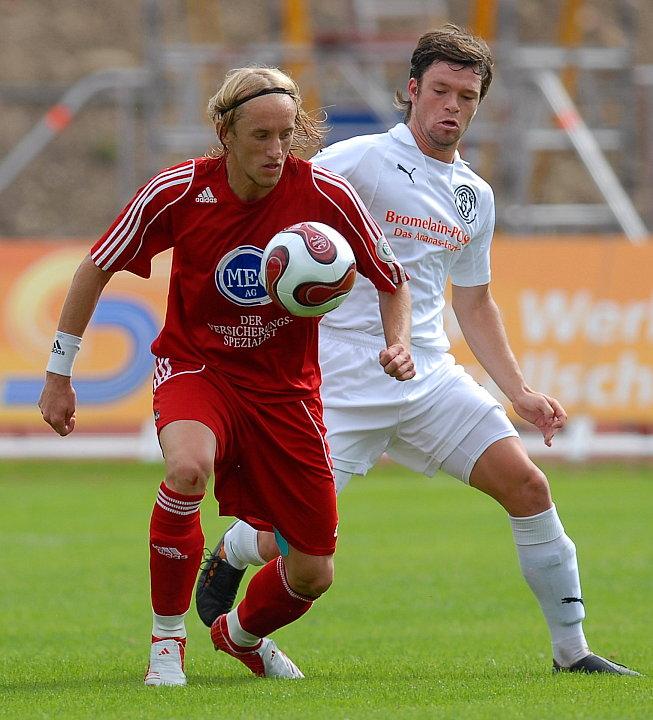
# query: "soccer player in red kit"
x,y
236,381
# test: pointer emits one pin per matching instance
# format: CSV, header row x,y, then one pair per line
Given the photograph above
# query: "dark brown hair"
x,y
449,44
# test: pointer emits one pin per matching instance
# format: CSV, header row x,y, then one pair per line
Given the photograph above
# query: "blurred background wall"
x,y
349,57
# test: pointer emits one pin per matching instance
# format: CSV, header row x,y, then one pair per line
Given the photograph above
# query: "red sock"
x,y
270,603
176,544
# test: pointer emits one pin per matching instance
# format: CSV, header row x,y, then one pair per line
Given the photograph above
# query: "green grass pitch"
x,y
428,616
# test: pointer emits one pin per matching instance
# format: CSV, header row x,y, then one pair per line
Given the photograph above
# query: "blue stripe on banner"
x,y
141,327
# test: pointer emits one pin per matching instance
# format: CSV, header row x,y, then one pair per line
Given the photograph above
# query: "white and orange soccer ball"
x,y
308,269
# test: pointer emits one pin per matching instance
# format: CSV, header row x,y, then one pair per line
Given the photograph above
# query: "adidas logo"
x,y
57,349
206,196
165,651
170,552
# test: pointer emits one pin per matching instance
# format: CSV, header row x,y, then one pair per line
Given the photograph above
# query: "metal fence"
x,y
546,128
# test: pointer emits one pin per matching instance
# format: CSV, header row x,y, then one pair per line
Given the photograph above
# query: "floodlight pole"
x,y
59,116
592,156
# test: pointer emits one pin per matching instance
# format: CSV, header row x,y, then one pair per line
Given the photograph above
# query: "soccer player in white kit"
x,y
439,216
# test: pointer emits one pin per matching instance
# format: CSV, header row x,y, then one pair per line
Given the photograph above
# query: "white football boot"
x,y
166,663
264,659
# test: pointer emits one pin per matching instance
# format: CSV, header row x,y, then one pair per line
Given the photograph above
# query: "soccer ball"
x,y
308,269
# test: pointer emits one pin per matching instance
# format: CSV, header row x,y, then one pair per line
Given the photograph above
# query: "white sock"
x,y
168,626
241,546
237,634
548,562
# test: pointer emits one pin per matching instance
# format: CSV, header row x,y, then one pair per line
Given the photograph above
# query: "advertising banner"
x,y
113,371
578,312
579,316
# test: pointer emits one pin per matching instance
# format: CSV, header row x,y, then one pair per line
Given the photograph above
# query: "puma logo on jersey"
x,y
410,174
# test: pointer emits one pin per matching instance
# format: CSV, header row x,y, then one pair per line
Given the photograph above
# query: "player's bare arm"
x,y
480,321
58,400
395,310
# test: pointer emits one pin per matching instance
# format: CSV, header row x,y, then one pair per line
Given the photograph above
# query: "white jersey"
x,y
439,218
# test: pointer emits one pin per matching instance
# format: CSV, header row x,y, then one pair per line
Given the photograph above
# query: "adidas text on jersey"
x,y
206,196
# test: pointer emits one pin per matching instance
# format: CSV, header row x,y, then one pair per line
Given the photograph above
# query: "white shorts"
x,y
421,423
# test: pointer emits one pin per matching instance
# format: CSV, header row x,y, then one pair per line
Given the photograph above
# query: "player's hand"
x,y
545,412
397,362
57,403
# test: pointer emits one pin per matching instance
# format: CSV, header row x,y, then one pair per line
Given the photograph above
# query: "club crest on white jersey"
x,y
237,277
466,202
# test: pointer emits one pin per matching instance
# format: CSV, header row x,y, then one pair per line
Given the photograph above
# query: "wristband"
x,y
64,350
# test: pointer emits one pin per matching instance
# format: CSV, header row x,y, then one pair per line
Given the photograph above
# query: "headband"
x,y
247,98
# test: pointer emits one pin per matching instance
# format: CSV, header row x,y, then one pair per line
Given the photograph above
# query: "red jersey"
x,y
218,313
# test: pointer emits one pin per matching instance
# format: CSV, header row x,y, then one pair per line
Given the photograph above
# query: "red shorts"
x,y
272,459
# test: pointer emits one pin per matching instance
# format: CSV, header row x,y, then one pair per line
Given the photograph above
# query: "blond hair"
x,y
240,84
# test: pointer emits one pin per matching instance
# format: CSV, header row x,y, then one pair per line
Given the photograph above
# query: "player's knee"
x,y
535,484
313,581
316,585
188,475
531,493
